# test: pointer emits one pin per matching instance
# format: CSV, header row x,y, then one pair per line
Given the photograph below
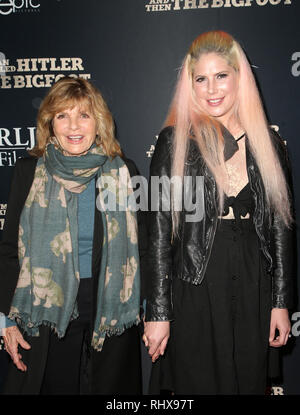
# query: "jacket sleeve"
x,y
9,262
159,258
284,241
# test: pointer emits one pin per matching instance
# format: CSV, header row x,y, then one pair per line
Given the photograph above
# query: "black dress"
x,y
219,337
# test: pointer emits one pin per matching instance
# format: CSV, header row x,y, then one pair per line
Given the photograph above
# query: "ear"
x,y
51,131
97,139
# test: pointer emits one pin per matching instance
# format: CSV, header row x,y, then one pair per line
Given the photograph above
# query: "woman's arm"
x,y
284,243
159,223
9,261
159,310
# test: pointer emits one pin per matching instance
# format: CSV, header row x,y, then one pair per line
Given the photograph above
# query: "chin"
x,y
216,115
73,152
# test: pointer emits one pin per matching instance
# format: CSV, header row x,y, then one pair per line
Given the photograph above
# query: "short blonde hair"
x,y
66,93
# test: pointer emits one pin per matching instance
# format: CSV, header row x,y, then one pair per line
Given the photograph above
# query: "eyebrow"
x,y
218,73
83,109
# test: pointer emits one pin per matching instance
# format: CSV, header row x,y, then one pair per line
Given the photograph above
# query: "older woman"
x,y
221,285
70,274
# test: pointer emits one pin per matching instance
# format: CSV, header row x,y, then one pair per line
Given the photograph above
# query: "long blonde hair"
x,y
186,115
66,93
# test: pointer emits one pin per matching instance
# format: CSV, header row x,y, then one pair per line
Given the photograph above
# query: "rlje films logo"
x,y
169,5
13,142
18,6
38,72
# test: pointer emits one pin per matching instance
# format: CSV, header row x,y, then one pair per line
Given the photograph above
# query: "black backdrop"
x,y
131,50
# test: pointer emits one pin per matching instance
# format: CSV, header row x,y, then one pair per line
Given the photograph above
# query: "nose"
x,y
74,123
211,87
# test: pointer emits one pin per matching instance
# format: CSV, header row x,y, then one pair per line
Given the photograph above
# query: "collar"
x,y
230,147
230,144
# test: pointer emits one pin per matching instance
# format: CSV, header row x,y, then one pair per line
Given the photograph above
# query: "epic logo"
x,y
11,6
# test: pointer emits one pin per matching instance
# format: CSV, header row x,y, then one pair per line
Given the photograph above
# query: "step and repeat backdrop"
x,y
132,50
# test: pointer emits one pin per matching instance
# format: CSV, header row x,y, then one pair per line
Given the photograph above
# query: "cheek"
x,y
57,128
92,130
231,88
199,90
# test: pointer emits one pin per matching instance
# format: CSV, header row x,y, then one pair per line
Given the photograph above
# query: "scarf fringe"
x,y
120,330
32,329
97,343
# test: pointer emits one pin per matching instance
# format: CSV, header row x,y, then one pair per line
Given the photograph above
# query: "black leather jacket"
x,y
187,255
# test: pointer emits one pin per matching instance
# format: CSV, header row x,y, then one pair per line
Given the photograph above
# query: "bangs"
x,y
69,103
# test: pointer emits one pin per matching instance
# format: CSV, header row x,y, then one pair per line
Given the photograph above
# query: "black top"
x,y
241,204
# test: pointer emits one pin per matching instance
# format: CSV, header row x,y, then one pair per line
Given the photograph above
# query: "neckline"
x,y
241,191
238,139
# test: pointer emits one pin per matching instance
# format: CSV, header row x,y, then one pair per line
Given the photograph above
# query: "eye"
x,y
222,75
199,79
84,115
60,116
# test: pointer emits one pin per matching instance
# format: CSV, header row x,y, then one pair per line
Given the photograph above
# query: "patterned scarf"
x,y
48,246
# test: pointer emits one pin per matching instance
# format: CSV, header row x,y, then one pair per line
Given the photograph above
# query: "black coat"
x,y
187,255
120,355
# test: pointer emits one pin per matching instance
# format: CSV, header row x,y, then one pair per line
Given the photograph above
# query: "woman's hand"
x,y
12,339
156,336
280,321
